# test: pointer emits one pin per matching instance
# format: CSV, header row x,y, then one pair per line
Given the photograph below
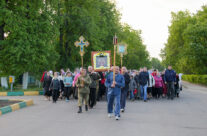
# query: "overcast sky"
x,y
153,18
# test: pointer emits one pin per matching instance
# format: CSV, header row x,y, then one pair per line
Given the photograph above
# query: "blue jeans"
x,y
143,89
111,96
123,97
131,94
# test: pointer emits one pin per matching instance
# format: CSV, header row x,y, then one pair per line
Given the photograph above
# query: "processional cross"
x,y
81,44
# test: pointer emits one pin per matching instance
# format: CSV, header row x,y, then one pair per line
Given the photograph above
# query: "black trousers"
x,y
92,97
170,90
55,95
67,92
149,90
158,92
153,92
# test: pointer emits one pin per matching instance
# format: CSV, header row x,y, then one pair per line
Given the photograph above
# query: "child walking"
x,y
68,81
132,87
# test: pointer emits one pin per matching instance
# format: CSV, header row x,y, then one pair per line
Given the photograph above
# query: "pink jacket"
x,y
75,79
158,82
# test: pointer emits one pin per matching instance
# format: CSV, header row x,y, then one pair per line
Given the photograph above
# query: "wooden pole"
x,y
114,68
121,60
115,41
82,61
82,69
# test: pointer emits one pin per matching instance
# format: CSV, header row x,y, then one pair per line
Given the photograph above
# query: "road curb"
x,y
16,106
27,93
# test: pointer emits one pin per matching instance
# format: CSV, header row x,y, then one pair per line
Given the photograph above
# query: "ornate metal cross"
x,y
81,44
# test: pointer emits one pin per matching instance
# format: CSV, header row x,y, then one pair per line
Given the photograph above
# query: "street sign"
x,y
11,79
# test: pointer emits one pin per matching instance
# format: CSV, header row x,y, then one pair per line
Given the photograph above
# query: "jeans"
x,y
131,94
170,90
123,97
111,95
143,91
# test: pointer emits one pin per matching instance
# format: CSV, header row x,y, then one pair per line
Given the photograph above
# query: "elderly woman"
x,y
46,86
159,84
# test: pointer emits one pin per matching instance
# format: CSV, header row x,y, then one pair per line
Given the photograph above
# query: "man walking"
x,y
83,83
114,92
94,77
170,80
125,89
143,81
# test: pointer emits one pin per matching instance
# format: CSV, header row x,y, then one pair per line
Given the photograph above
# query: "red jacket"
x,y
42,79
154,74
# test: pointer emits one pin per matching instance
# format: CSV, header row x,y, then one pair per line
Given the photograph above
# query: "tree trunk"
x,y
4,83
25,80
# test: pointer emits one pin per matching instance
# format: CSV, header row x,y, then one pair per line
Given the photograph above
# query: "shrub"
x,y
198,79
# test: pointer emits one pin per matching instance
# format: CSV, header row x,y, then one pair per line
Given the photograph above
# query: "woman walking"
x,y
68,81
55,87
46,86
159,84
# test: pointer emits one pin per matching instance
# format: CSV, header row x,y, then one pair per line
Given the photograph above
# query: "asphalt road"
x,y
185,116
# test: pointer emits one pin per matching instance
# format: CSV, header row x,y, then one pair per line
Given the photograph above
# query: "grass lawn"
x,y
21,90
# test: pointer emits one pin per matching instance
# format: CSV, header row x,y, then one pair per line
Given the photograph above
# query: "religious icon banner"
x,y
122,48
101,60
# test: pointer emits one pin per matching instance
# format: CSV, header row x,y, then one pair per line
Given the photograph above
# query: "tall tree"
x,y
30,29
156,64
186,47
96,20
137,55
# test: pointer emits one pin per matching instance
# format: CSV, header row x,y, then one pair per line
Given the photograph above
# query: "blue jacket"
x,y
143,78
68,81
170,76
120,83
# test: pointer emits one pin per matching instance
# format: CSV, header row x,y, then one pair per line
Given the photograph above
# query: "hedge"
x,y
198,79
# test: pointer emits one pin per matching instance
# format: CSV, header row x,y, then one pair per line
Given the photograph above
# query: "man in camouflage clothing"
x,y
83,84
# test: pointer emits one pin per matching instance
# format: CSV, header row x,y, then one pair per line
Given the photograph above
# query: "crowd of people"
x,y
89,86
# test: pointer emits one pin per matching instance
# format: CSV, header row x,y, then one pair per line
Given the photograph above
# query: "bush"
x,y
198,79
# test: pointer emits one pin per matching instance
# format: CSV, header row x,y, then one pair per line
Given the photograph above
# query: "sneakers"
x,y
117,118
110,115
122,110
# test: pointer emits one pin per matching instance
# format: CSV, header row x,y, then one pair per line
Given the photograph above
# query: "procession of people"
x,y
89,86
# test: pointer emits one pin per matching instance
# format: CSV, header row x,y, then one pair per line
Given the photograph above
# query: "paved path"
x,y
186,116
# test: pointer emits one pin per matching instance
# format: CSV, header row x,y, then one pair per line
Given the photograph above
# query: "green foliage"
x,y
29,44
40,35
156,64
198,79
186,48
137,55
96,20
